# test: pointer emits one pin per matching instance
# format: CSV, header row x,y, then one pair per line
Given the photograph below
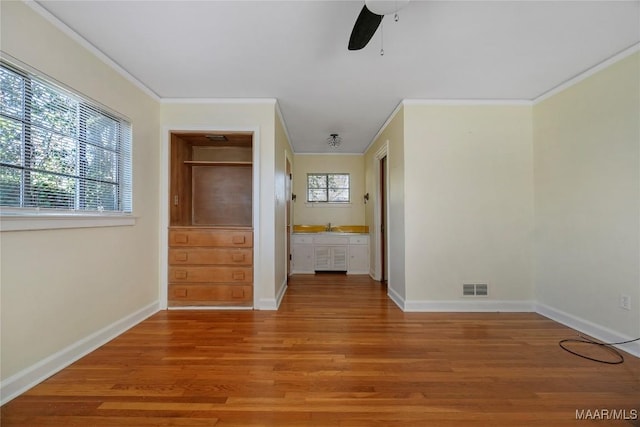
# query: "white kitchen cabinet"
x,y
358,254
331,258
302,255
330,252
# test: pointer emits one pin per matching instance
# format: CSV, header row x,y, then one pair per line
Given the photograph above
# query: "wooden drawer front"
x,y
211,256
222,238
210,274
232,295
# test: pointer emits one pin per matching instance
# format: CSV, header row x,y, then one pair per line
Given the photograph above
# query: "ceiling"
x,y
296,52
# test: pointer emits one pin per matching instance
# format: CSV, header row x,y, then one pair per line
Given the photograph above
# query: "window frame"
x,y
13,217
327,188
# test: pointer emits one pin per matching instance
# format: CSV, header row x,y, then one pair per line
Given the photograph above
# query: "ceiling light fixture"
x,y
334,140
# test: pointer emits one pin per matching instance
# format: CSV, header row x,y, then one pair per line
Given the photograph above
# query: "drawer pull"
x,y
238,240
238,275
237,257
237,293
181,238
180,274
182,256
180,292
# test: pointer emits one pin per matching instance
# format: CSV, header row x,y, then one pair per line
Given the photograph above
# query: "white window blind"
x,y
328,187
59,150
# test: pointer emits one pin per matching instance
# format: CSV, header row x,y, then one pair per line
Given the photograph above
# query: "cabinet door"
x,y
302,258
339,258
322,258
358,259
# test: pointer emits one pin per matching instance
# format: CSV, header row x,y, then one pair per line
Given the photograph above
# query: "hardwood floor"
x,y
337,353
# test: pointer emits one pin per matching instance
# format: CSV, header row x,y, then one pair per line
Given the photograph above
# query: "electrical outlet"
x,y
625,302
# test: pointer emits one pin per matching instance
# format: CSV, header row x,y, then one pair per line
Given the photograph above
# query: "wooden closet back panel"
x,y
227,195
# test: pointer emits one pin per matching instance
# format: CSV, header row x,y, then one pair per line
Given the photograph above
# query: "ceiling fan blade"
x,y
364,28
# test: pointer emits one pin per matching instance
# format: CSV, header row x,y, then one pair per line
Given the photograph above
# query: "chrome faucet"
x,y
328,227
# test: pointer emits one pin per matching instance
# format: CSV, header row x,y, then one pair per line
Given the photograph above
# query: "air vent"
x,y
475,290
217,138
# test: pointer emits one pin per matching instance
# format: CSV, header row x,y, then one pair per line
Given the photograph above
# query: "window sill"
x,y
47,221
328,204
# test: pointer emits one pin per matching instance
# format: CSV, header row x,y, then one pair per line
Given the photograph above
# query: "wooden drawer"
x,y
220,238
210,295
179,274
210,256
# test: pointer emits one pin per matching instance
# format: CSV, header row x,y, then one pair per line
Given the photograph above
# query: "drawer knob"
x,y
182,256
180,274
238,240
181,238
237,257
238,275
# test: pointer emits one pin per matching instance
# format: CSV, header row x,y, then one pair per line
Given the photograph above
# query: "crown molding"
x,y
260,101
465,102
588,73
35,6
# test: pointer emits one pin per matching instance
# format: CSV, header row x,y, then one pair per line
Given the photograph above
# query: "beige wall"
x,y
468,201
59,286
393,138
323,213
587,198
260,116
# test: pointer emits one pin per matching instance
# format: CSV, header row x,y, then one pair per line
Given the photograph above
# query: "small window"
x,y
60,151
328,187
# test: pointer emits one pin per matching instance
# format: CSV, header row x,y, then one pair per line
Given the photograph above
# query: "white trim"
x,y
469,306
329,154
261,101
50,222
163,250
467,102
396,298
587,73
90,47
377,214
384,125
273,303
284,126
209,308
22,381
598,332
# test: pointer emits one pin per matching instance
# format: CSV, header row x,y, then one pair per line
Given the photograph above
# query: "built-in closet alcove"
x,y
210,219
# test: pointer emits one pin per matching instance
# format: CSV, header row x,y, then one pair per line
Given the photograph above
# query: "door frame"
x,y
382,152
163,220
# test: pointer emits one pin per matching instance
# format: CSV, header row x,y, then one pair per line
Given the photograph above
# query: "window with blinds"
x,y
59,150
328,187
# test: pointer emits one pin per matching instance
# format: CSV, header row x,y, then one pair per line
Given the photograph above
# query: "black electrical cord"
x,y
606,345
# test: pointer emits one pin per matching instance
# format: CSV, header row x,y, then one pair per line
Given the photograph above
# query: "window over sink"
x,y
328,188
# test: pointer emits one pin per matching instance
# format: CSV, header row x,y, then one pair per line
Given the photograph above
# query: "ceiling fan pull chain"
x,y
396,17
382,39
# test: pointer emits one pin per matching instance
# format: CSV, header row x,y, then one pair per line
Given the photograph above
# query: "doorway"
x,y
383,219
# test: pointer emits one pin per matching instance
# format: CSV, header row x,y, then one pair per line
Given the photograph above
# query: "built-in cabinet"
x,y
210,235
322,252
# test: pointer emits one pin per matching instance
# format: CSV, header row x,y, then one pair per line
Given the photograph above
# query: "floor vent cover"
x,y
475,290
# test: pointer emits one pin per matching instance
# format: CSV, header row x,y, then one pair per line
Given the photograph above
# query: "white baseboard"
x,y
273,303
589,328
469,306
22,381
396,297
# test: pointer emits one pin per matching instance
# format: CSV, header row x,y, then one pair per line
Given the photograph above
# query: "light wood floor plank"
x,y
338,352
